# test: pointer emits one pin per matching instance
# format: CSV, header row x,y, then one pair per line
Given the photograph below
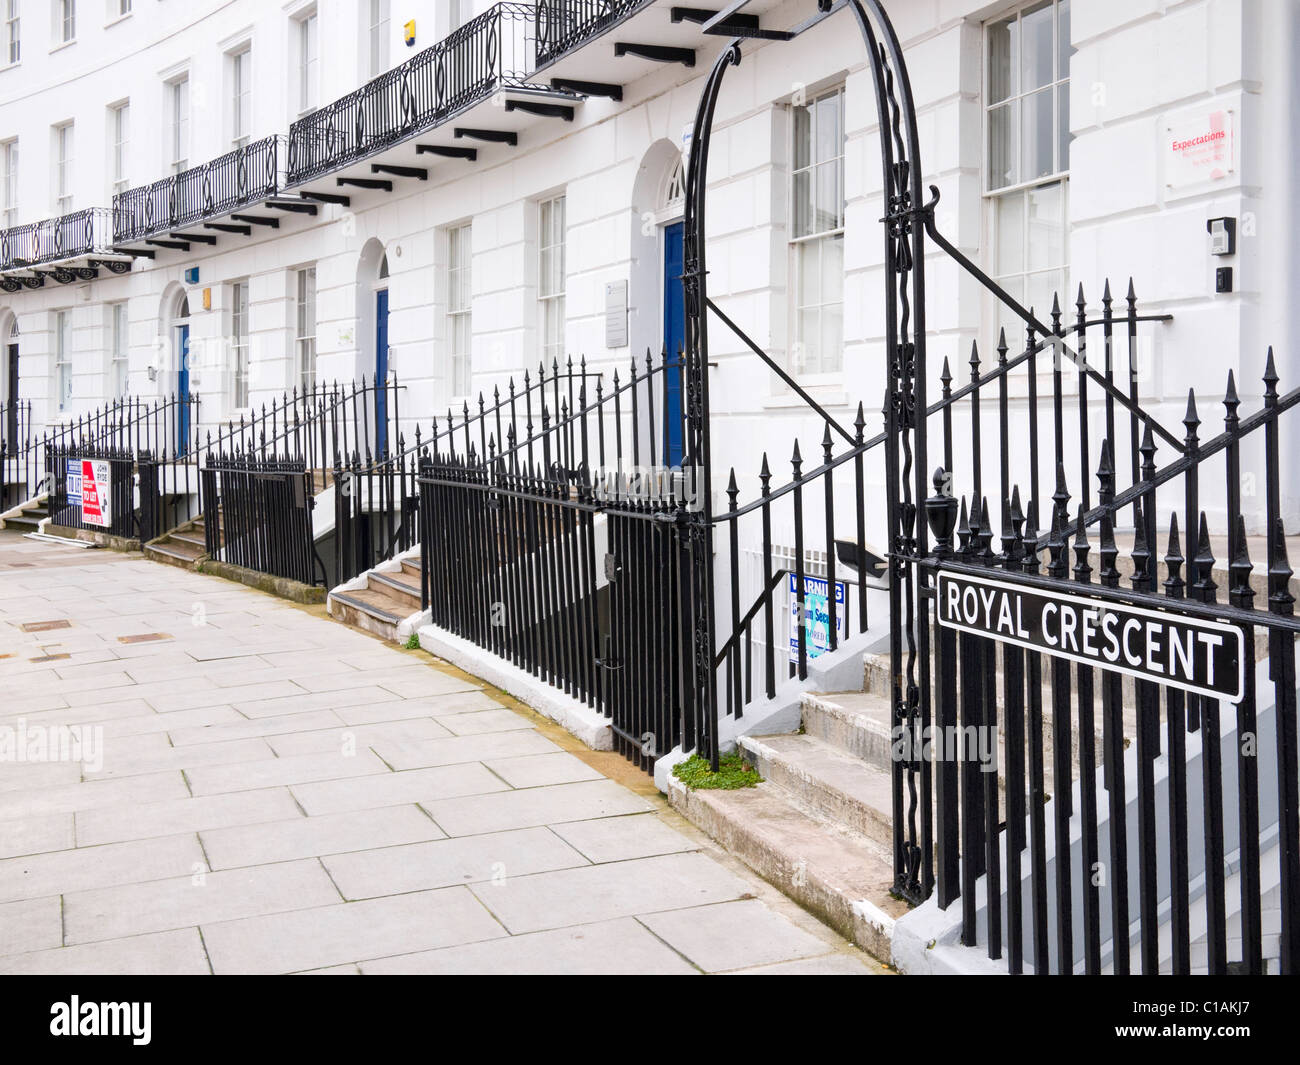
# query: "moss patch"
x,y
733,772
413,642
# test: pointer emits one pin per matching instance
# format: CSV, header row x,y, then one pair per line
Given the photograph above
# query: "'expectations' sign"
x,y
1203,657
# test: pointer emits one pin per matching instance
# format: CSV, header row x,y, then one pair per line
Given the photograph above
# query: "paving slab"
x,y
495,857
330,935
302,837
176,953
607,948
282,794
733,935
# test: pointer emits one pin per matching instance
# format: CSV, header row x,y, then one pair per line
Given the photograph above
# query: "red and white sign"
x,y
1200,149
96,493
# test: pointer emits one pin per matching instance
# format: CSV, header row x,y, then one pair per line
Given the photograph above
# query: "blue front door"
x,y
674,342
381,371
182,389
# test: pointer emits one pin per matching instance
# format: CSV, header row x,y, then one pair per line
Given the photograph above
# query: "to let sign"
x,y
1200,656
96,494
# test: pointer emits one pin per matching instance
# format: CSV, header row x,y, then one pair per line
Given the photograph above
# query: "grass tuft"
x,y
733,772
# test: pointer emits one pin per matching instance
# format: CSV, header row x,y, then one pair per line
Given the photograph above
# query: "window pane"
x,y
832,338
802,137
805,354
832,269
1064,136
1004,39
1040,291
1036,137
803,224
1063,40
1002,146
829,135
1046,227
808,258
1007,318
830,199
1010,233
1038,47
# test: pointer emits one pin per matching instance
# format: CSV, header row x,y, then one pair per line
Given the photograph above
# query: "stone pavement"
x,y
263,790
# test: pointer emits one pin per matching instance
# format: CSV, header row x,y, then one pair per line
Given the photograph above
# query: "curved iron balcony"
x,y
563,25
495,50
60,243
244,176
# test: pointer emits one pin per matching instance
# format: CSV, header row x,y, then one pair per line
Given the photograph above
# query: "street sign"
x,y
96,493
817,616
1176,650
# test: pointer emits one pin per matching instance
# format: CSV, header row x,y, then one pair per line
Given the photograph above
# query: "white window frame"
x,y
551,276
64,30
119,350
241,95
460,301
64,167
1019,279
305,326
307,28
457,14
63,358
9,161
177,109
240,365
13,33
379,51
120,144
820,238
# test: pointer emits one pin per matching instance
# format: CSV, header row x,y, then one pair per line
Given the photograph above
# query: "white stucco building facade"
x,y
1051,129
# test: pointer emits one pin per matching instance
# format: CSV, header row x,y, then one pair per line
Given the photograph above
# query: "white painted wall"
x,y
1136,65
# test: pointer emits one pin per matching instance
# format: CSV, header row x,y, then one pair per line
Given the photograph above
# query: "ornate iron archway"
x,y
905,224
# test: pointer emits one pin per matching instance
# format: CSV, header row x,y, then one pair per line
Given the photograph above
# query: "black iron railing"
x,y
563,25
548,529
92,488
131,426
490,52
376,509
257,515
51,240
1183,823
244,176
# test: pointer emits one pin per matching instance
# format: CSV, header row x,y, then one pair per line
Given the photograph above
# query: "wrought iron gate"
x,y
1230,858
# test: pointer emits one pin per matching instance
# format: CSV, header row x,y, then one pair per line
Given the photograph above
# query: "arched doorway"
x,y
372,334
176,378
9,380
659,321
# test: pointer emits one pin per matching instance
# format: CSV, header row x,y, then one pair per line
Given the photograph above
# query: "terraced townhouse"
x,y
687,372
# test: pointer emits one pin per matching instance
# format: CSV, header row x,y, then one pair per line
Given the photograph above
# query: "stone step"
x,y
373,602
856,725
28,520
411,568
376,608
821,777
841,877
180,550
398,586
194,537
